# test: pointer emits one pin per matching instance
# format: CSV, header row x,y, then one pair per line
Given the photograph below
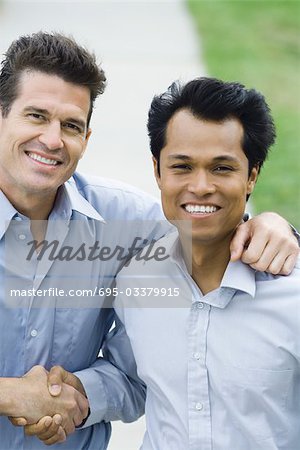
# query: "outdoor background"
x,y
258,44
144,46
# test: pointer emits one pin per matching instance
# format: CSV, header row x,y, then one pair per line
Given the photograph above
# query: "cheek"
x,y
75,150
170,195
169,191
237,197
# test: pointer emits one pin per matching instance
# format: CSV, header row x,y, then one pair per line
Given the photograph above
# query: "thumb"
x,y
56,378
239,241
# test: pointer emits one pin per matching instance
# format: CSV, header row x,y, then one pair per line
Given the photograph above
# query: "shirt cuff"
x,y
96,395
296,234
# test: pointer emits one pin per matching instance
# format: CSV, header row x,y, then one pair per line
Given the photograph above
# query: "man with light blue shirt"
x,y
48,85
63,238
216,343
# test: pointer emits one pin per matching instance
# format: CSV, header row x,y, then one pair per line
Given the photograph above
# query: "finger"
x,y
18,421
261,253
59,437
78,419
74,381
38,428
256,248
278,257
268,262
239,241
56,378
52,430
288,265
69,427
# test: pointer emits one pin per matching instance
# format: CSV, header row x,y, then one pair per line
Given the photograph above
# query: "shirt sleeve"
x,y
112,385
296,234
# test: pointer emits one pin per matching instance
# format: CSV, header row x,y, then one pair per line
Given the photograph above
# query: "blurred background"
x,y
257,42
144,46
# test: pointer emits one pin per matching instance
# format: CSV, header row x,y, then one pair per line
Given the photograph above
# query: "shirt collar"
x,y
237,277
68,200
241,277
7,213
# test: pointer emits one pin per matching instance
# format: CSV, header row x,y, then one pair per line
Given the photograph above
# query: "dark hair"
x,y
215,100
51,53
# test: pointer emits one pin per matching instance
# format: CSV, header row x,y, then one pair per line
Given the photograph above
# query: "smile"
x,y
200,209
49,162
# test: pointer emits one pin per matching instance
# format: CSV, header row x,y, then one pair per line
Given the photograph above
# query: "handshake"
x,y
48,405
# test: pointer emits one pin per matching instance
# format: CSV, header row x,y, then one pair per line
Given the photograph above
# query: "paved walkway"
x,y
144,46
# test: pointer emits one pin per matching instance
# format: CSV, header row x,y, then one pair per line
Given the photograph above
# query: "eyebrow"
x,y
179,156
225,158
80,123
183,157
36,109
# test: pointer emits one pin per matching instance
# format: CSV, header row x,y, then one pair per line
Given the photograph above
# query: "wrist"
x,y
9,402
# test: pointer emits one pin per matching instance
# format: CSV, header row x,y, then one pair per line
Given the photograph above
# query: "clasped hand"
x,y
50,405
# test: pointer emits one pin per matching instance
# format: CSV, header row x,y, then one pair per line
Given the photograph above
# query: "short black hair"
x,y
50,53
215,100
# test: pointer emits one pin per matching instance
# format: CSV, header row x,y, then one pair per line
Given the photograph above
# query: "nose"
x,y
201,183
51,136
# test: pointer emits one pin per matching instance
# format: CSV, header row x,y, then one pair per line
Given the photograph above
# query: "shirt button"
x,y
196,355
199,406
200,305
33,333
22,237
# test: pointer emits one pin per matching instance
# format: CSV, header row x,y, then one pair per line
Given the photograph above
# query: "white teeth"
x,y
200,209
36,157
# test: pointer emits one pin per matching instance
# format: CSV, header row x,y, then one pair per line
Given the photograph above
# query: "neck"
x,y
35,207
207,263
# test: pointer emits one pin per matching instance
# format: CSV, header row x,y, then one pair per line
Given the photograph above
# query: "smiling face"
x,y
204,176
43,136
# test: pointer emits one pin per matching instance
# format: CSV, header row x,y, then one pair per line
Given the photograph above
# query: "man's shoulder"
x,y
114,199
91,183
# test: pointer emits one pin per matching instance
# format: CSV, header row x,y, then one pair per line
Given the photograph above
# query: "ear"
x,y
252,180
86,140
156,173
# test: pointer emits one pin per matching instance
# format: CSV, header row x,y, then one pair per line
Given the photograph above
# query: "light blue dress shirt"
x,y
222,370
71,330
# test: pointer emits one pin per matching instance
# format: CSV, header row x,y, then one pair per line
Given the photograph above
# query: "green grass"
x,y
258,44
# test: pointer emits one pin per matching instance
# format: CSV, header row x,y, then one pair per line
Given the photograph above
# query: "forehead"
x,y
51,92
187,133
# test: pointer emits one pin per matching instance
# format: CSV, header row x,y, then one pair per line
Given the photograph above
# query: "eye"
x,y
36,116
72,128
181,167
223,169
